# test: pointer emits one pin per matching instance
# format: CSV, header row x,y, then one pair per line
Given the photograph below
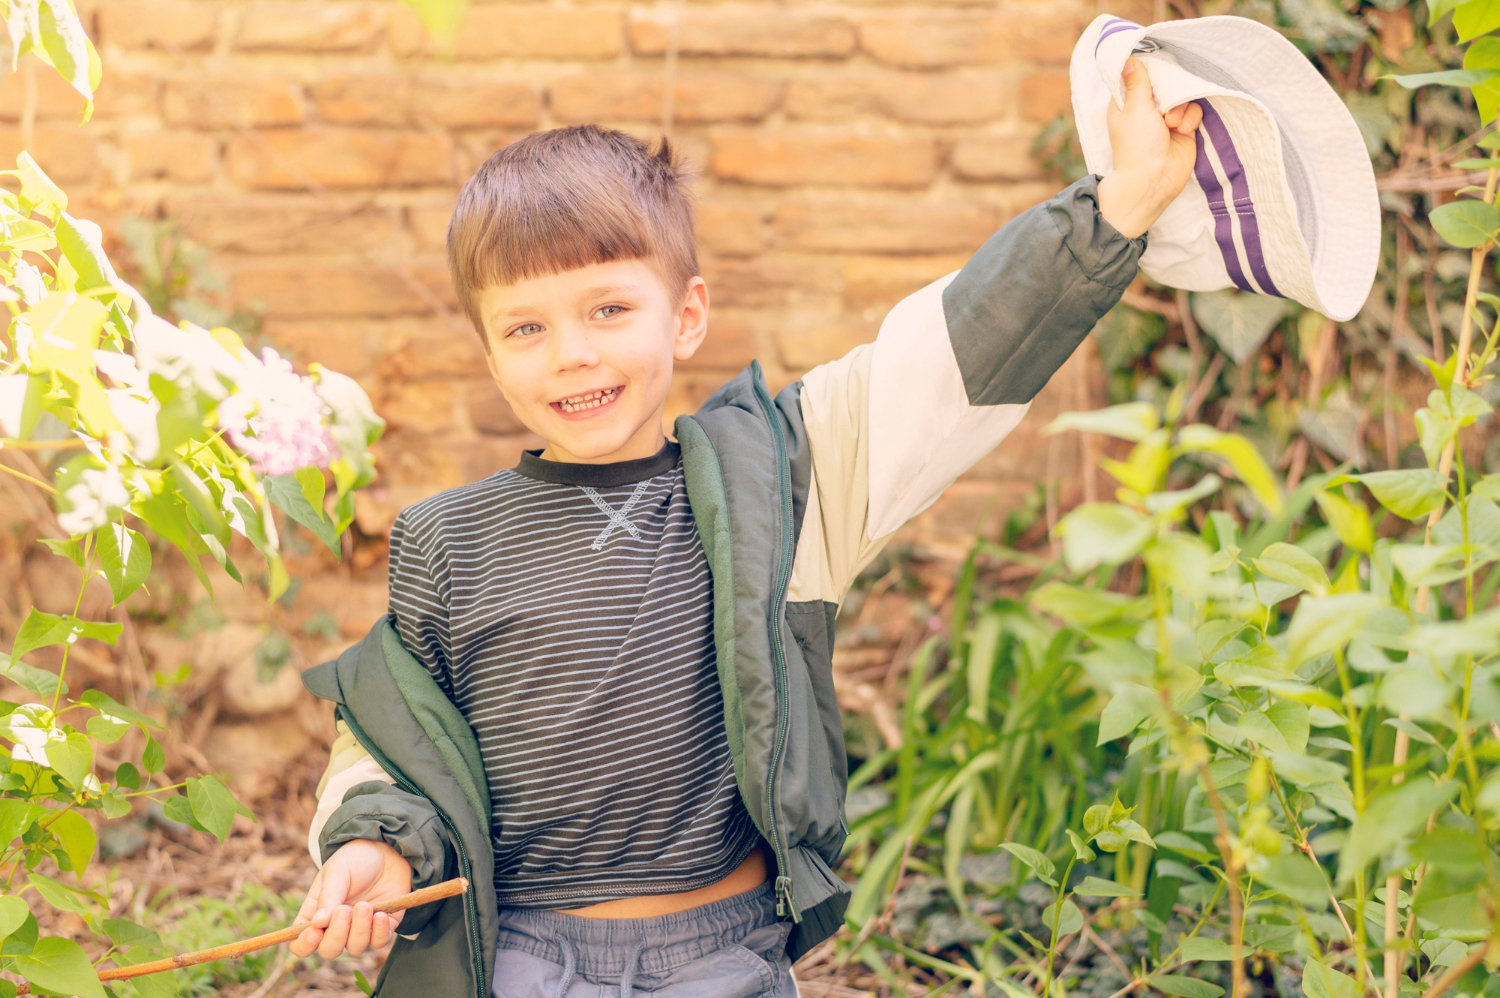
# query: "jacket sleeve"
x,y
359,800
954,368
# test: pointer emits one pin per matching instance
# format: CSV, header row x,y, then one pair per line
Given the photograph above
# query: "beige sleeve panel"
x,y
833,547
348,764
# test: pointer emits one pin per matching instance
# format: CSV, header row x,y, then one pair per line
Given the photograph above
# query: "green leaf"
x,y
213,805
1243,456
77,837
1125,711
58,895
1094,887
1325,624
82,242
13,912
1306,770
286,492
1476,17
1069,919
1298,878
61,966
1350,521
1102,533
1081,606
1184,986
1185,845
1429,564
38,193
1413,731
1289,563
178,809
1410,494
1131,421
29,677
123,932
1039,863
1320,981
72,756
125,558
1437,8
16,816
1204,948
1080,848
152,757
106,704
127,776
1239,322
1466,223
68,548
1390,818
1291,719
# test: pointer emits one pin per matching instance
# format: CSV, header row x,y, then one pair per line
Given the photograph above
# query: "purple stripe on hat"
x,y
1223,227
1239,185
1114,26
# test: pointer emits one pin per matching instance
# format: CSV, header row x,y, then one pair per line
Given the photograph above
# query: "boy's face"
x,y
585,357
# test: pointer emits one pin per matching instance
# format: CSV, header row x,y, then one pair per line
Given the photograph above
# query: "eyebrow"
x,y
603,291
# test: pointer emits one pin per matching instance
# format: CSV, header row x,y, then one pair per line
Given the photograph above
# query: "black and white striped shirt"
x,y
567,611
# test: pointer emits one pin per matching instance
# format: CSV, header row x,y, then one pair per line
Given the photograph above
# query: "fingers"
x,y
336,937
380,930
361,928
1137,82
1192,117
312,936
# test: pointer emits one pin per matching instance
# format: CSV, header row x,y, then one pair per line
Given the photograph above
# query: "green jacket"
x,y
793,496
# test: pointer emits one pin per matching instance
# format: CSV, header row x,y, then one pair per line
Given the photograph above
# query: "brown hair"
x,y
567,198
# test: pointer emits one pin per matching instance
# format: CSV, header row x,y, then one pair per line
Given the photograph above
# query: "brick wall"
x,y
849,153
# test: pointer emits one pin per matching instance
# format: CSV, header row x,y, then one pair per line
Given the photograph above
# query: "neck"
x,y
642,444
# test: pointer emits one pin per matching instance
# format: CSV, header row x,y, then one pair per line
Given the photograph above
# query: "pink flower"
x,y
275,417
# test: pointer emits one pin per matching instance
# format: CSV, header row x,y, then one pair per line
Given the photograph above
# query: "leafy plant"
x,y
133,427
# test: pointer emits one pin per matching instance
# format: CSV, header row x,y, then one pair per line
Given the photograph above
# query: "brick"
x,y
54,98
923,98
731,228
122,93
638,96
786,158
290,289
66,154
771,282
171,25
1046,94
428,224
995,157
769,31
818,339
872,284
524,32
883,227
343,344
276,223
489,413
186,157
309,27
397,100
339,158
222,101
434,349
931,40
427,406
729,345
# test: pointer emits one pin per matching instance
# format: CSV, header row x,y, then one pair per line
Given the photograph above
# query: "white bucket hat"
x,y
1282,200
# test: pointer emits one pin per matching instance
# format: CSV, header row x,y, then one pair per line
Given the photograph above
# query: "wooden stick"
x,y
446,889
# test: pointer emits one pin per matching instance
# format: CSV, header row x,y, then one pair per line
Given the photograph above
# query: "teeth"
x,y
592,400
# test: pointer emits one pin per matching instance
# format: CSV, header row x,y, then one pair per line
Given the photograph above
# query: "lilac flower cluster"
x,y
276,417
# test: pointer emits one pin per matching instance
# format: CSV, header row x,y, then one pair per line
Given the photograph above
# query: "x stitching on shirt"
x,y
616,516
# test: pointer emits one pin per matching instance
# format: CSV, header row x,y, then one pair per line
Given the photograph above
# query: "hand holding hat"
x,y
1153,155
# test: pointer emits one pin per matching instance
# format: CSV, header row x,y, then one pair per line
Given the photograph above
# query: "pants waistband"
x,y
605,947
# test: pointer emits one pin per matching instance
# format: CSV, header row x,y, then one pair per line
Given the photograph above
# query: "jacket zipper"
x,y
471,911
784,900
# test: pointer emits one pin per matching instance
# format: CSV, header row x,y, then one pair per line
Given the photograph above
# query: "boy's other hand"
x,y
1154,155
340,901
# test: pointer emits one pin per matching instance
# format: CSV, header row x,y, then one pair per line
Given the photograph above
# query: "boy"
x,y
603,693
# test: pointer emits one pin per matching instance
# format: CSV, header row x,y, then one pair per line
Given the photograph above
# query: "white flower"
x,y
12,399
121,369
89,500
189,356
275,417
30,283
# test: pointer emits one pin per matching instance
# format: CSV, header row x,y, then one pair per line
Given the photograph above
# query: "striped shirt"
x,y
567,611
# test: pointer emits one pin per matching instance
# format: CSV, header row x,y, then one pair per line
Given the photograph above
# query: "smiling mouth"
x,y
588,400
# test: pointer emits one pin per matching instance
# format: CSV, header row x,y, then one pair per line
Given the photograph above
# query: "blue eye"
x,y
609,311
528,329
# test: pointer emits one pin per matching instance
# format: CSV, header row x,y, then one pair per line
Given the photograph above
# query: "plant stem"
x,y
27,478
1057,903
1459,969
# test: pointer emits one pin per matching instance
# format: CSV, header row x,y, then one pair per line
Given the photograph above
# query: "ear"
x,y
692,320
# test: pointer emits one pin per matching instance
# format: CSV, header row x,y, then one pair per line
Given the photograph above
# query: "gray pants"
x,y
734,948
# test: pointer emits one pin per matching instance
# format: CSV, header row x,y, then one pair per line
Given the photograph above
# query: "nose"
x,y
573,349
